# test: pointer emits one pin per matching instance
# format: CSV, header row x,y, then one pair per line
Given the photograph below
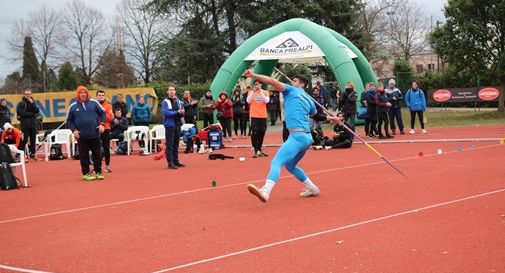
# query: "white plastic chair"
x,y
130,136
21,162
156,133
61,136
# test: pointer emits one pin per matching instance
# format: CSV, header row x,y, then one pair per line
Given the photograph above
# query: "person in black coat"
x,y
341,137
348,104
383,105
27,111
5,113
273,107
371,107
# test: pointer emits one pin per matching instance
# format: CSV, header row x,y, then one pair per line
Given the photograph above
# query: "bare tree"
x,y
145,30
406,30
16,39
87,37
45,25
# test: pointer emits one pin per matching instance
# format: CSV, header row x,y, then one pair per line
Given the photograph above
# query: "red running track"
x,y
449,216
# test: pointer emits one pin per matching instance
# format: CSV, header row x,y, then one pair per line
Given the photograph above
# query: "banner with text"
x,y
54,105
463,94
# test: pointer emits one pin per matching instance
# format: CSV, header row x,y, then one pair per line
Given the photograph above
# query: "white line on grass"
x,y
17,269
327,231
214,188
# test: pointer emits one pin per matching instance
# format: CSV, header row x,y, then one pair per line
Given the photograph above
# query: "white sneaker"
x,y
424,131
260,193
310,192
412,131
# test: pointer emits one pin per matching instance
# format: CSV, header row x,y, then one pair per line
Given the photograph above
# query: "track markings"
x,y
245,251
214,188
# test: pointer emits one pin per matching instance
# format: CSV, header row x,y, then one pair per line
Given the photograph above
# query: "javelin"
x,y
350,131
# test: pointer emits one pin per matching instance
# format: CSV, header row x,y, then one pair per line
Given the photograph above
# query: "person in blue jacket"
x,y
416,102
85,118
173,111
141,113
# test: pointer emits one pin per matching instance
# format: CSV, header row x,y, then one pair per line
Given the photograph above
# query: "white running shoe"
x,y
424,131
412,131
260,193
310,192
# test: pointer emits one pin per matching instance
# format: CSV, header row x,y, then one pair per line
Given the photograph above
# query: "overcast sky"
x,y
11,11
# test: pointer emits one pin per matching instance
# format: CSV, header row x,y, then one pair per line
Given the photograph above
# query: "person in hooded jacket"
x,y
207,105
371,107
224,108
5,113
395,112
416,102
27,111
86,120
141,113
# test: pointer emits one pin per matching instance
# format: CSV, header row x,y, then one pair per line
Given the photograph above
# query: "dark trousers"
x,y
351,119
258,129
142,142
226,124
383,119
273,116
208,119
396,113
172,135
86,145
413,118
239,122
337,144
32,134
105,138
372,116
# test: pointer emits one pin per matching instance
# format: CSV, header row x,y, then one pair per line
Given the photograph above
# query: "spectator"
x,y
395,112
141,113
316,94
207,105
11,135
348,105
224,108
324,94
105,136
333,97
84,119
371,109
27,111
190,108
5,113
258,99
173,111
273,107
383,106
341,138
118,126
238,113
120,104
247,110
416,102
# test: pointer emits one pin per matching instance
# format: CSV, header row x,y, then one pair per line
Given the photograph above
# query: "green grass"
x,y
459,118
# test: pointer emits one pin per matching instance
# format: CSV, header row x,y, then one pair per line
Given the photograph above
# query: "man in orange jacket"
x,y
105,136
11,135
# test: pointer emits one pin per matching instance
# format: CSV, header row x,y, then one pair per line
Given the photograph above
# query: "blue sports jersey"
x,y
298,106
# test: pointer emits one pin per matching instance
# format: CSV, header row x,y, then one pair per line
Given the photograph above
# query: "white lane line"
x,y
327,231
17,269
214,188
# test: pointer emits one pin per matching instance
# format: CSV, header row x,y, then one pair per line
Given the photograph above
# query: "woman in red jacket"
x,y
224,108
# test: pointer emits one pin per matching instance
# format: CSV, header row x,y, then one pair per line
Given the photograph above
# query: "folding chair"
x,y
21,162
156,133
61,136
130,135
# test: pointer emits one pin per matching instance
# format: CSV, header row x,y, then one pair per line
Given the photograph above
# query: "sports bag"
x,y
8,180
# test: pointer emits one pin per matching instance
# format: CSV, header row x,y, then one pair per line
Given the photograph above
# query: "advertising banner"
x,y
54,105
463,95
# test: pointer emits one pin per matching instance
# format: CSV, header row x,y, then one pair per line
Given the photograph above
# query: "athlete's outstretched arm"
x,y
277,85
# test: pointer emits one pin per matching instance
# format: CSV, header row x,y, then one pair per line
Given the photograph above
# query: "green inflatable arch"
x,y
344,59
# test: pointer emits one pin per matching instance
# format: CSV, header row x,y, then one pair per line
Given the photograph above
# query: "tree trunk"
x,y
501,99
232,31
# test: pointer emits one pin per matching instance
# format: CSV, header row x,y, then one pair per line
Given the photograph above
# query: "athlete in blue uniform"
x,y
298,108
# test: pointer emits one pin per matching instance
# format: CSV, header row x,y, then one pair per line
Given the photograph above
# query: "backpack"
x,y
6,154
8,180
55,152
122,148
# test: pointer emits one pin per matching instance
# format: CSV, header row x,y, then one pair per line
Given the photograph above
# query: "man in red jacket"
x,y
11,135
224,107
